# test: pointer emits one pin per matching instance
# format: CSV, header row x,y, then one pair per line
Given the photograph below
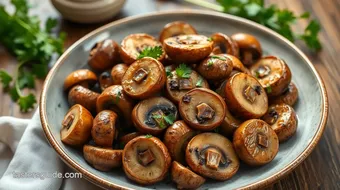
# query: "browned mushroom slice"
x,y
289,96
144,78
175,29
146,160
104,55
117,73
83,77
250,48
229,124
255,142
177,83
83,96
212,155
224,44
104,129
215,67
188,48
176,139
184,177
273,74
114,98
128,137
282,119
202,109
103,159
154,115
132,45
76,126
245,96
105,80
237,65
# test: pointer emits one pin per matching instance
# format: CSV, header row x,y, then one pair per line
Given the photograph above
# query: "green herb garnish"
x,y
199,82
164,120
269,89
257,74
168,72
33,46
279,20
183,71
169,119
210,39
154,52
148,136
210,62
218,57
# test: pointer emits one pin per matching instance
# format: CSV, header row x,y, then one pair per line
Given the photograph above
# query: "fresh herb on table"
x,y
33,46
183,71
154,52
279,20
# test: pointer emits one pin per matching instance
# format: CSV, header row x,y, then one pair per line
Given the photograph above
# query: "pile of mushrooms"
x,y
195,109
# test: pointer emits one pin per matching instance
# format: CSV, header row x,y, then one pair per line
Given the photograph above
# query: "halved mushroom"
x,y
104,129
128,137
188,48
237,65
289,96
273,74
202,109
83,96
245,96
83,77
224,44
215,67
177,86
105,80
76,126
184,177
146,160
133,44
144,78
212,155
103,159
154,115
250,48
175,29
117,73
282,118
176,139
255,142
104,55
229,124
114,98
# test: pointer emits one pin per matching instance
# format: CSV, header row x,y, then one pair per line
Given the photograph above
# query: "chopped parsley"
x,y
269,89
210,39
154,52
148,136
218,57
199,82
183,71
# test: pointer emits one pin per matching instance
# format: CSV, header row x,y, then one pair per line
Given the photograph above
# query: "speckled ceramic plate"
x,y
311,107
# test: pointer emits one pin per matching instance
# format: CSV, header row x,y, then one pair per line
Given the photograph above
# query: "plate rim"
x,y
106,183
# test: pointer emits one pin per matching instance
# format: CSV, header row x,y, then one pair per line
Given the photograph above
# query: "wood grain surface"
x,y
321,170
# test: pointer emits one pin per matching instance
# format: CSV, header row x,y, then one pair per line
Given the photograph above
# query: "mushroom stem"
x,y
146,157
68,121
140,75
204,112
250,94
262,140
213,158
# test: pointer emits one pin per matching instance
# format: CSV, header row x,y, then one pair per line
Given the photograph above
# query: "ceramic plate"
x,y
311,106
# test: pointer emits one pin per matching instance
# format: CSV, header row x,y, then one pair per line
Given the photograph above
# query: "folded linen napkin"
x,y
27,161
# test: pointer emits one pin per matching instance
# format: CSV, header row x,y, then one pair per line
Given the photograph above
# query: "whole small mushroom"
x,y
83,96
104,129
223,44
104,55
184,177
250,48
175,29
83,77
117,73
103,159
289,96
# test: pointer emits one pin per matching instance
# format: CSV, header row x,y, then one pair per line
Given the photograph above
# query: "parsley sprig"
x,y
169,119
183,71
154,52
279,20
33,46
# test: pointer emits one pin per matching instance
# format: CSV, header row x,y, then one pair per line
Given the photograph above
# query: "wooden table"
x,y
321,170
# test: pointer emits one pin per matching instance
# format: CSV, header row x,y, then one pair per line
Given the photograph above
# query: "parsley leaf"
x,y
148,136
268,89
168,72
154,52
210,39
218,57
5,78
26,79
14,94
210,62
199,82
169,119
26,102
183,71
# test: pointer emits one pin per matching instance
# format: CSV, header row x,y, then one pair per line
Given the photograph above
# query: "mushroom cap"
x,y
81,77
77,125
278,77
175,29
184,177
229,124
153,82
117,73
197,152
105,80
246,142
176,138
215,67
103,159
247,41
188,48
104,128
154,171
133,44
289,96
104,55
224,44
237,64
188,109
128,137
142,114
83,96
282,119
236,100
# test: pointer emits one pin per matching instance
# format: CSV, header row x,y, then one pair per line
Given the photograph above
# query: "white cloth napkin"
x,y
25,156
